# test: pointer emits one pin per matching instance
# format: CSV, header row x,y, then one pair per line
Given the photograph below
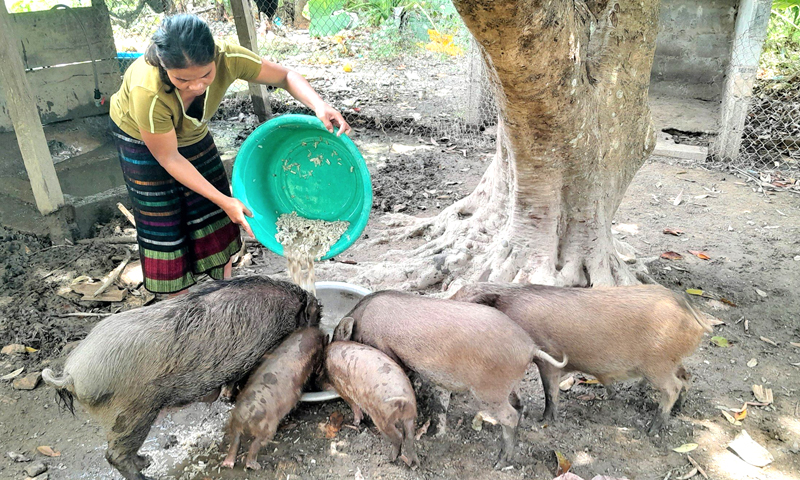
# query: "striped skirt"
x,y
181,234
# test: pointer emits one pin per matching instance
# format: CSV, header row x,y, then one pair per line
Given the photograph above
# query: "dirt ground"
x,y
751,238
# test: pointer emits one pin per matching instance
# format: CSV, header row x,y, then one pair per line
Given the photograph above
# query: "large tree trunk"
x,y
571,82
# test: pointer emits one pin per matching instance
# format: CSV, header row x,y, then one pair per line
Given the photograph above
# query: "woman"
x,y
186,220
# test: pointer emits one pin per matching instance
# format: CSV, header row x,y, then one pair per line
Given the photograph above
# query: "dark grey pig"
x,y
368,380
613,333
135,363
458,346
272,391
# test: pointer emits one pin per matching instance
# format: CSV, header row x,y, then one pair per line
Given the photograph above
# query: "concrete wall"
x,y
693,48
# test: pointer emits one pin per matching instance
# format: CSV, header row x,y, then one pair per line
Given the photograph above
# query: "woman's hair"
x,y
181,41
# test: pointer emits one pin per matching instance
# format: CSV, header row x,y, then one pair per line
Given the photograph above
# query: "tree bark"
x,y
571,80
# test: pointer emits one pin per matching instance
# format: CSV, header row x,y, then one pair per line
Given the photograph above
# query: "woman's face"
x,y
193,80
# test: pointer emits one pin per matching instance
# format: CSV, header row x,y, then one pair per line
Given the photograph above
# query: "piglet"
x,y
369,380
272,391
457,346
612,333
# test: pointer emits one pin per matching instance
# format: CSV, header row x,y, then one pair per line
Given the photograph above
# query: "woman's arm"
x,y
164,147
298,87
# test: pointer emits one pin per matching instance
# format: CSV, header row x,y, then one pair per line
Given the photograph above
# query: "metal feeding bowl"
x,y
337,299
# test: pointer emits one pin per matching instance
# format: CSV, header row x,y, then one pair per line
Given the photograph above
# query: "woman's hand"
x,y
238,213
330,117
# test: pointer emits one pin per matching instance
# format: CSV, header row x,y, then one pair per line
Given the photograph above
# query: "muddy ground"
x,y
751,238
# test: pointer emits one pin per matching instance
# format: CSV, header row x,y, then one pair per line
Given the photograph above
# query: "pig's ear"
x,y
344,331
488,299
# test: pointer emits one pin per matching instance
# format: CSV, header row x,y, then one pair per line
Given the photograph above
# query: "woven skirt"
x,y
181,234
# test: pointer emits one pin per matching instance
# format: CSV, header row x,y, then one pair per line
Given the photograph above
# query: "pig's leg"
x,y
508,418
409,453
670,387
685,378
550,376
516,402
230,460
124,440
395,436
611,392
251,461
357,414
443,401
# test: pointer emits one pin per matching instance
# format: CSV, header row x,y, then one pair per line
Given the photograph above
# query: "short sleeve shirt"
x,y
142,101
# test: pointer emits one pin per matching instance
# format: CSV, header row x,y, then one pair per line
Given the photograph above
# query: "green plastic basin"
x,y
293,164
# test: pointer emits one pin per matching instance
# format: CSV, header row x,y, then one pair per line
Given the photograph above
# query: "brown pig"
x,y
272,391
458,346
369,380
612,333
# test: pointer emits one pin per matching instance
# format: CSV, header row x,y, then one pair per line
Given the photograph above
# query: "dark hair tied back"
x,y
181,41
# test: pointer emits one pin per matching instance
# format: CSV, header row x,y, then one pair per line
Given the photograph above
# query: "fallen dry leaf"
x,y
334,424
586,397
697,466
685,448
672,256
750,451
730,418
567,383
763,395
563,464
794,344
720,341
48,451
725,300
477,422
589,381
359,475
700,255
752,363
673,231
14,349
689,475
678,199
13,374
694,291
713,321
741,414
422,430
761,293
765,339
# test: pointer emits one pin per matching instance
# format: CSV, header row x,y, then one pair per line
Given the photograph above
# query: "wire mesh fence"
x,y
760,128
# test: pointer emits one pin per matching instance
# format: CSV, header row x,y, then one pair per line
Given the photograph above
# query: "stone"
x,y
35,469
674,150
43,476
28,382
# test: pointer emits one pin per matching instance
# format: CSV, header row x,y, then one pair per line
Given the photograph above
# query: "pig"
x,y
368,380
135,363
457,346
272,391
612,333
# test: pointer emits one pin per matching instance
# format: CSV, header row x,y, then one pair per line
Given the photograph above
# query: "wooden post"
x,y
246,30
751,29
27,124
299,20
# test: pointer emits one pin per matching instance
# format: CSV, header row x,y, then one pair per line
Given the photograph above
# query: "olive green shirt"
x,y
142,101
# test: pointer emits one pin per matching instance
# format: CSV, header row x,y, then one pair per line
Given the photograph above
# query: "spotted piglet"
x,y
272,390
369,380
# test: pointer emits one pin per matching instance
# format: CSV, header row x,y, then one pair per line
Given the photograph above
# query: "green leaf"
x,y
694,291
685,448
720,341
